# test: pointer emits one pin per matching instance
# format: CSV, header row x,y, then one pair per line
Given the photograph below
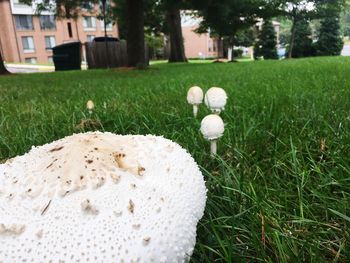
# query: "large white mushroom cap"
x,y
212,127
100,197
195,95
215,99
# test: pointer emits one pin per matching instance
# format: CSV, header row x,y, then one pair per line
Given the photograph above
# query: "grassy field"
x,y
280,191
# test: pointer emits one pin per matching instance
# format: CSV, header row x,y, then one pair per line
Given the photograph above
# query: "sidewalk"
x,y
31,68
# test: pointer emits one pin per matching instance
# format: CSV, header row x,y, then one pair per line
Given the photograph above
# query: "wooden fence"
x,y
97,56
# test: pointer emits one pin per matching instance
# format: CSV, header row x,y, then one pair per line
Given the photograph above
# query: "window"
x,y
47,22
50,42
109,26
90,38
28,44
89,23
50,60
19,3
30,60
87,6
24,22
70,32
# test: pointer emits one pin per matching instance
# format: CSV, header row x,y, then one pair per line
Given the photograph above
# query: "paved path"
x,y
346,50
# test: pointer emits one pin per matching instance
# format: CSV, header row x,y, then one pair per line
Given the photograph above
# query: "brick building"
x,y
28,38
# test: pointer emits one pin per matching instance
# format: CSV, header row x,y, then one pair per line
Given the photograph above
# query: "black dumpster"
x,y
67,56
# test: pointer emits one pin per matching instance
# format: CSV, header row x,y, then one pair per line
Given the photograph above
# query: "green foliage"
x,y
303,46
330,42
227,18
155,45
280,190
266,46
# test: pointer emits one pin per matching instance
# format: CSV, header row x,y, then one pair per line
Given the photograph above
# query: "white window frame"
x,y
108,28
93,23
52,41
31,59
30,43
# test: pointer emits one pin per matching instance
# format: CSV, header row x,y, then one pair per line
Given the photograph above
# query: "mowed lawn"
x,y
280,190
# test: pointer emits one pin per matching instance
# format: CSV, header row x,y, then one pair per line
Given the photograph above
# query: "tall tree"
x,y
303,40
135,33
266,45
177,49
298,11
330,42
226,18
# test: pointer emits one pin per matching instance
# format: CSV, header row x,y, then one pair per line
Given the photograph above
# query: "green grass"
x,y
276,194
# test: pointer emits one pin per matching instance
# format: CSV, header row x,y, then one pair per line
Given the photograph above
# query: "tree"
x,y
173,19
226,18
135,33
266,45
302,46
299,11
330,42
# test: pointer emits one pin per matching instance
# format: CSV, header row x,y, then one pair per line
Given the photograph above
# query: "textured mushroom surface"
x,y
215,98
212,127
101,197
195,95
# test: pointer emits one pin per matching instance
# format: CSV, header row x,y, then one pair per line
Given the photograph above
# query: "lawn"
x,y
280,191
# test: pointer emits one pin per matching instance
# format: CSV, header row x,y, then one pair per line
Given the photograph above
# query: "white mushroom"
x,y
90,106
195,98
75,217
212,128
215,99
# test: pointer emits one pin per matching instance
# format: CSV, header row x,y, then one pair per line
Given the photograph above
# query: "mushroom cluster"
x,y
212,126
101,197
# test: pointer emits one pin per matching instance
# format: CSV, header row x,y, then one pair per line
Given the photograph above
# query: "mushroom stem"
x,y
195,110
213,148
90,112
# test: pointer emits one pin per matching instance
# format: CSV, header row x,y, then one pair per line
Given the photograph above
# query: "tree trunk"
x,y
233,53
291,41
177,49
3,69
135,33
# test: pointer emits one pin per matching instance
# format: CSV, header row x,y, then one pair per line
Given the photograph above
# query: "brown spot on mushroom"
x,y
141,170
47,167
39,234
88,207
131,206
56,149
136,226
46,208
146,240
89,161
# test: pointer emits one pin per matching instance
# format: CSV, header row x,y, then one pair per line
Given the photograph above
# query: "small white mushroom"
x,y
215,99
212,128
90,106
195,98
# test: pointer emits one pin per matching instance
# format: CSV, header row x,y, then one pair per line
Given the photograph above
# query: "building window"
x,y
28,44
87,6
24,22
70,32
109,26
50,60
90,38
47,22
30,60
89,23
50,42
19,3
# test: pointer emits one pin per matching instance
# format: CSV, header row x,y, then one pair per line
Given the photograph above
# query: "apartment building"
x,y
27,37
198,45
